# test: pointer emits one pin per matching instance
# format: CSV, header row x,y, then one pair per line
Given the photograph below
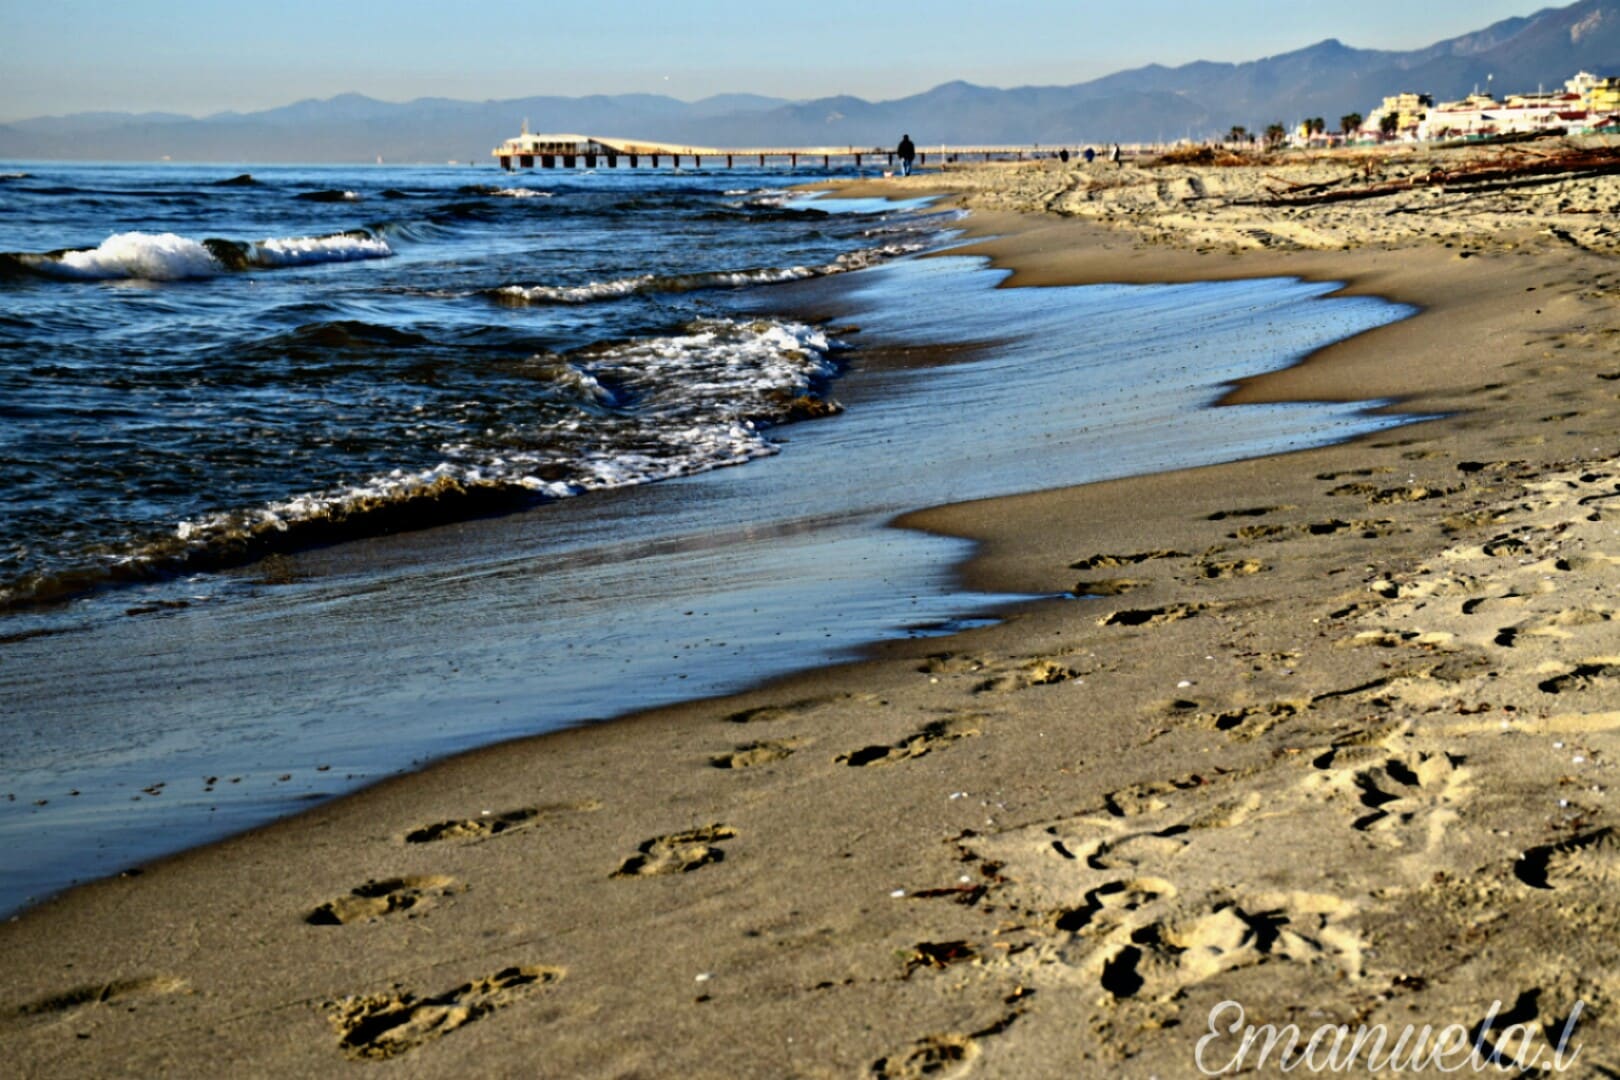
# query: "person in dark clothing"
x,y
1063,155
906,152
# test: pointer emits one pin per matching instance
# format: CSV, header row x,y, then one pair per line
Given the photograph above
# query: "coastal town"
x,y
1586,105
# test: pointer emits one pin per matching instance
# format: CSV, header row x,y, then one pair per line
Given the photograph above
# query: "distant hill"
x,y
1152,103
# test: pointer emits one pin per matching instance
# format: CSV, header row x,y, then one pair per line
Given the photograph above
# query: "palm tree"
x,y
1389,124
1349,122
1275,134
1237,134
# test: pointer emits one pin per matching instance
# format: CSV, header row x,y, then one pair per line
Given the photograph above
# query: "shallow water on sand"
x,y
304,678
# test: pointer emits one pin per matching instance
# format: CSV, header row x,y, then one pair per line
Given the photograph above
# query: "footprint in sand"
x,y
1252,511
1592,857
1366,528
378,1026
937,955
1095,562
942,1056
1149,797
1037,672
1151,616
1214,569
1381,469
751,754
948,663
936,1057
765,713
115,992
1252,721
1108,586
933,736
1377,496
677,853
1160,959
1390,639
1109,901
1561,625
1413,795
1259,532
1597,674
375,899
490,823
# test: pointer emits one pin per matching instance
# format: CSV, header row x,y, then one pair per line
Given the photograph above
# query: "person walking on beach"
x,y
906,152
1113,155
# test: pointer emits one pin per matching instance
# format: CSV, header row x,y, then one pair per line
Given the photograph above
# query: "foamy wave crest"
x,y
719,279
576,294
701,400
147,256
303,250
169,257
521,193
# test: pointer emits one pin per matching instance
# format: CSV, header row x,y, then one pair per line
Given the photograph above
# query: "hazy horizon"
x,y
179,56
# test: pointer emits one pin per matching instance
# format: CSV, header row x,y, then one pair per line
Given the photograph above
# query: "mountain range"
x,y
1150,104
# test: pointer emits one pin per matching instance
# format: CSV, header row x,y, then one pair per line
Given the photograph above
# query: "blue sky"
x,y
204,56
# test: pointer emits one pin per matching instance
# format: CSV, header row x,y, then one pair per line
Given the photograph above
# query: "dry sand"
x,y
1326,734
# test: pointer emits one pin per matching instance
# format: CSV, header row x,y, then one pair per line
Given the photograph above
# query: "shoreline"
x,y
705,586
1251,763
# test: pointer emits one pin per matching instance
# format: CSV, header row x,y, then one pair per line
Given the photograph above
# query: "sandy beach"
x,y
1324,734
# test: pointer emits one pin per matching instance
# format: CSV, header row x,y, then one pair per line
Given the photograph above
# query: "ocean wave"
x,y
144,256
304,250
521,193
666,406
645,284
329,196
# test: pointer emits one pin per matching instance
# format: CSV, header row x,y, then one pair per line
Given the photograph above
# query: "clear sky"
x,y
205,56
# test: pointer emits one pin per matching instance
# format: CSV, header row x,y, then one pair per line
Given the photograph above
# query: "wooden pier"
x,y
570,151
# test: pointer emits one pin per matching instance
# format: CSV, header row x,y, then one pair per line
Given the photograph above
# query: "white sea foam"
x,y
650,283
521,193
169,257
578,294
303,250
148,256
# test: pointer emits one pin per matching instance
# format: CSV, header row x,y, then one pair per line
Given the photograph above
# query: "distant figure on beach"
x,y
1113,155
1090,155
1063,155
906,152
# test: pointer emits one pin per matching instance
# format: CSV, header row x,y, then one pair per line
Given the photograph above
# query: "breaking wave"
x,y
643,284
169,257
631,412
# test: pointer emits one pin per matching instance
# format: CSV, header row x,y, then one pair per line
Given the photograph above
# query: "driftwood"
x,y
1484,176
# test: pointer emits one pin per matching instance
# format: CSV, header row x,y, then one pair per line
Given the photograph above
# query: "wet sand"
x,y
1324,733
